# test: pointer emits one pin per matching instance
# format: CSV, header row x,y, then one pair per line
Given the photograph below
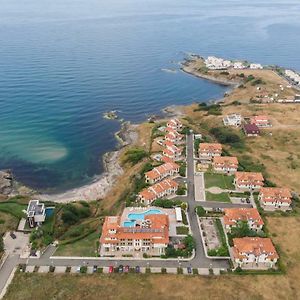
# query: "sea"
x,y
63,63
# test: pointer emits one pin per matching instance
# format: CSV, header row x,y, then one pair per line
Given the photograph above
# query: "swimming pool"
x,y
49,211
133,217
141,215
129,224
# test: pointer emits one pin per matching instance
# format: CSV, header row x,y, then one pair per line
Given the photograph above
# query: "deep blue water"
x,y
65,62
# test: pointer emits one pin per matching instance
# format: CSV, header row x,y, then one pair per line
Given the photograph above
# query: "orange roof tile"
x,y
249,176
253,245
157,232
233,215
210,147
277,194
225,160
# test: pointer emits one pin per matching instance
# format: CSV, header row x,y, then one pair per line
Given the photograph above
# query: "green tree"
x,y
200,211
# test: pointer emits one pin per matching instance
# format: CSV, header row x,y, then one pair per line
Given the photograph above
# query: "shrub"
x,y
227,136
181,190
135,155
257,81
83,269
213,109
182,170
224,73
249,78
200,211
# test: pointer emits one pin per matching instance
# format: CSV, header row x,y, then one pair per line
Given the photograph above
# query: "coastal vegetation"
x,y
135,155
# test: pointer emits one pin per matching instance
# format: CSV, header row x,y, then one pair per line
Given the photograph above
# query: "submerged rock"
x,y
111,115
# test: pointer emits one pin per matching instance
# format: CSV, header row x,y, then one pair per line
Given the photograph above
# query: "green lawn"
x,y
223,197
12,208
218,180
182,230
84,247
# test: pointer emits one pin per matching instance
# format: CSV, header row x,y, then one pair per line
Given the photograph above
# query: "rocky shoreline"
x,y
190,70
103,183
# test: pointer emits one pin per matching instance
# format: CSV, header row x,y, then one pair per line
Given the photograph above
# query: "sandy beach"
x,y
102,184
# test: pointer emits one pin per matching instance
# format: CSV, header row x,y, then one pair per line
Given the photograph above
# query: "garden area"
x,y
218,180
215,237
222,197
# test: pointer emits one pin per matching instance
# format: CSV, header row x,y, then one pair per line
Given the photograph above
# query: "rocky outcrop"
x,y
6,182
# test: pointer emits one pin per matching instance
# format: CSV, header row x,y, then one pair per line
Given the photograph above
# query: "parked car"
x,y
189,270
248,200
110,269
137,269
78,269
95,268
121,268
126,269
12,235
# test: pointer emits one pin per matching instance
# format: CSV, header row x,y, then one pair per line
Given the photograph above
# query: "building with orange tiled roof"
x,y
225,164
161,172
172,151
209,150
273,198
261,121
254,252
174,137
161,189
166,159
248,180
150,235
250,215
174,124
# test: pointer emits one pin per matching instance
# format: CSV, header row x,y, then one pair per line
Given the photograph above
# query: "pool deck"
x,y
141,210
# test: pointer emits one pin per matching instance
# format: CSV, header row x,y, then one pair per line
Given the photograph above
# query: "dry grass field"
x,y
285,232
278,148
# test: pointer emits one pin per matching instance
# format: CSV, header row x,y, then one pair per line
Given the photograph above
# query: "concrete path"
x,y
199,187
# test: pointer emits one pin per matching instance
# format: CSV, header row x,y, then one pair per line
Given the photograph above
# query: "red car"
x,y
126,269
111,269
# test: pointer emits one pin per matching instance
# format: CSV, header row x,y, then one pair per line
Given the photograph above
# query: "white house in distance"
x,y
250,215
36,214
239,65
254,253
248,180
216,63
273,198
225,164
232,120
256,66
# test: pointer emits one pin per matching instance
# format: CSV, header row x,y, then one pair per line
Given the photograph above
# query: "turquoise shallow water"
x,y
64,63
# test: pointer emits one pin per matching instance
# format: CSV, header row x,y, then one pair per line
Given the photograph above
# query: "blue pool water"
x,y
49,211
63,63
141,216
129,224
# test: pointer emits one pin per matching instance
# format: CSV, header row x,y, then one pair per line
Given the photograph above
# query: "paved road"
x,y
7,269
199,260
